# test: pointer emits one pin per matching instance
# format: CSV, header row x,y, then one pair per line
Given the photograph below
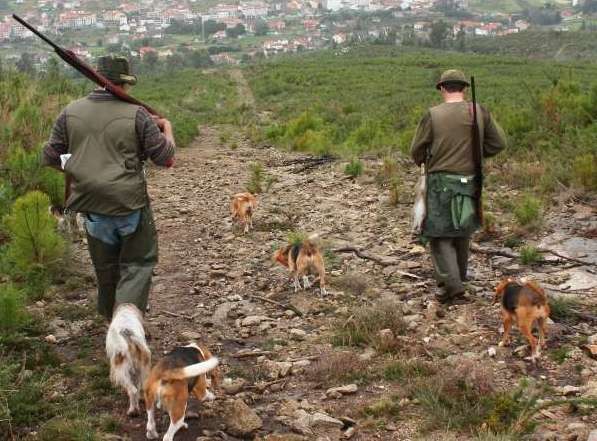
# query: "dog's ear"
x,y
500,288
281,255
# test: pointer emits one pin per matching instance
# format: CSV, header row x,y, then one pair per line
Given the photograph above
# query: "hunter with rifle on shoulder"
x,y
450,142
100,142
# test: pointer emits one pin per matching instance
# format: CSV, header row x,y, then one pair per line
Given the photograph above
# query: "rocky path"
x,y
211,283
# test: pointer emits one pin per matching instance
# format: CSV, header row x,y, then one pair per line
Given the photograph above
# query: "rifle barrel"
x,y
36,32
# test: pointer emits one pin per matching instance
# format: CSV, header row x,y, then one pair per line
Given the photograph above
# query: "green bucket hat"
x,y
116,69
452,76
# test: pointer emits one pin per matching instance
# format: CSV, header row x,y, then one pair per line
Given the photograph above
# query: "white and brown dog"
x,y
129,355
181,372
301,260
242,208
69,223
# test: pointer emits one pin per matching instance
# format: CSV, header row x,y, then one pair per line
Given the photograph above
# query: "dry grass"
x,y
335,367
353,283
363,328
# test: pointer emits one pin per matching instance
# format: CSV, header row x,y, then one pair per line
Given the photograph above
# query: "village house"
x,y
223,11
114,18
522,25
220,35
76,20
145,50
5,31
272,47
468,26
81,52
231,22
276,25
339,37
279,6
310,24
254,10
165,53
489,29
223,58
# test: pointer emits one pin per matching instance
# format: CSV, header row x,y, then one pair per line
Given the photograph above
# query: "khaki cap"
x,y
452,76
116,69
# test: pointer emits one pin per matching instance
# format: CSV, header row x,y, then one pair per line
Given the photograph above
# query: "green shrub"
x,y
354,168
68,429
225,136
584,170
559,354
312,141
296,237
407,369
256,177
395,191
529,255
528,211
301,124
21,404
35,247
383,407
564,309
466,397
12,307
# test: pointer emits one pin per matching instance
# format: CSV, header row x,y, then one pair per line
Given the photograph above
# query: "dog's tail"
x,y
193,370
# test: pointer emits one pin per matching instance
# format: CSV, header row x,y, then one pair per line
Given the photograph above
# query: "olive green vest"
x,y
107,174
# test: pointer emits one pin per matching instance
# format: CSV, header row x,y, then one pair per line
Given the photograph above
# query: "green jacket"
x,y
105,166
443,142
445,136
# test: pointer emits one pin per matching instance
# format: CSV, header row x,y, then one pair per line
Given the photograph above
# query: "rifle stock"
x,y
477,155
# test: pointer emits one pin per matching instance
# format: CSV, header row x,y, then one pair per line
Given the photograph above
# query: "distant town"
x,y
204,33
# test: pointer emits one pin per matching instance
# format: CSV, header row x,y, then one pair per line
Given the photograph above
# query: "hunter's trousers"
x,y
450,260
124,252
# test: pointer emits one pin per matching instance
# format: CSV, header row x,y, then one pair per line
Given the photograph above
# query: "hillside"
x,y
559,46
407,367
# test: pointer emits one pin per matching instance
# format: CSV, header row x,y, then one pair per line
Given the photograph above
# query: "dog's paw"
x,y
185,426
209,396
306,283
133,412
324,292
503,344
152,434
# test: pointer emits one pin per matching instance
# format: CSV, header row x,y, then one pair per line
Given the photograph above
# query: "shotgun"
x,y
70,58
477,156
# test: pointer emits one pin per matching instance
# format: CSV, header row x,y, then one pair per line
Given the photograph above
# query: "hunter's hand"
x,y
163,124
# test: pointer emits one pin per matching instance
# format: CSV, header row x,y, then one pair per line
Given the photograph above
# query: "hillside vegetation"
x,y
370,99
580,45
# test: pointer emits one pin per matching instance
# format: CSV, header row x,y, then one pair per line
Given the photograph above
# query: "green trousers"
x,y
450,260
124,270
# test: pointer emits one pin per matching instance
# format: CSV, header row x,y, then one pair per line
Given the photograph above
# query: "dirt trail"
x,y
245,93
209,273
